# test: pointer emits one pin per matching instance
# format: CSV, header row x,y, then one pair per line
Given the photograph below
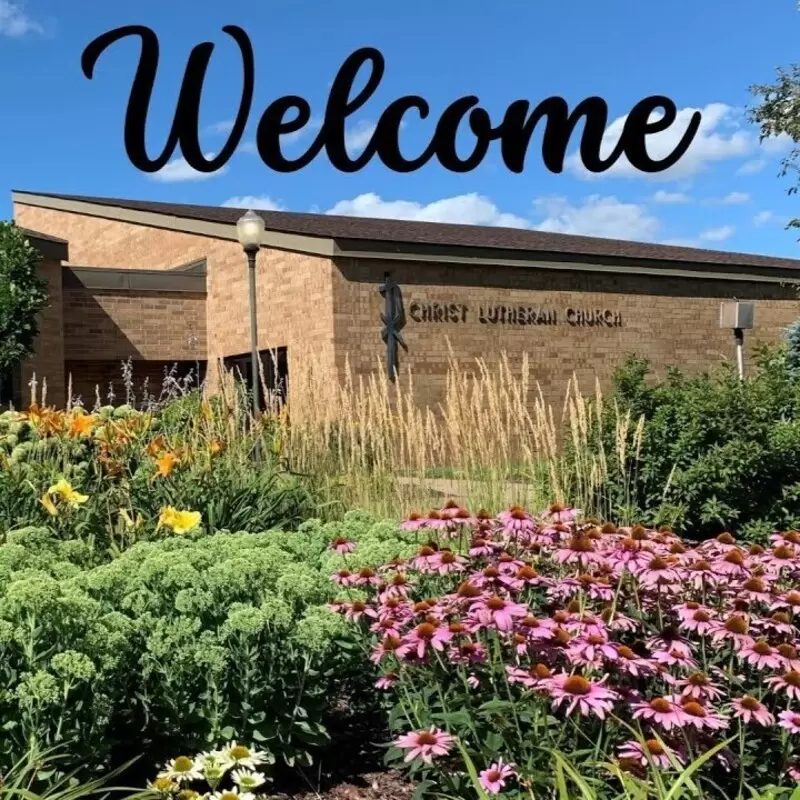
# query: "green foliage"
x,y
23,294
717,452
179,644
778,114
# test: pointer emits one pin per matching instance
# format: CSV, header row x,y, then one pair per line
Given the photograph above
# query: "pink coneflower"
x,y
425,744
790,721
700,621
732,564
467,652
628,661
480,547
413,523
508,565
591,650
789,600
790,659
748,709
780,557
559,513
615,620
777,623
389,646
670,640
516,521
734,629
699,687
702,717
589,697
498,612
436,521
367,577
701,573
579,549
427,635
386,681
755,590
661,710
789,683
658,571
674,657
342,545
344,577
536,629
760,655
537,676
462,517
494,778
445,562
396,588
356,610
651,752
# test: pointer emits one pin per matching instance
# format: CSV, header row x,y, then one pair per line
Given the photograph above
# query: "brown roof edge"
x,y
48,246
320,234
135,280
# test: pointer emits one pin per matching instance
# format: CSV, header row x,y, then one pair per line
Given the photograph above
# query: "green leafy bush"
x,y
179,644
23,294
717,452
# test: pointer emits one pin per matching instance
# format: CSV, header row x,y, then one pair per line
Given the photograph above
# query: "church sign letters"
x,y
514,315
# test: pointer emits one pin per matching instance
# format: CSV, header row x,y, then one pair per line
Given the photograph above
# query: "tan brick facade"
x,y
672,321
332,306
294,292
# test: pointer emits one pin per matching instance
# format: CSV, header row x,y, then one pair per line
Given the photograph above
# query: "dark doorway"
x,y
275,366
10,388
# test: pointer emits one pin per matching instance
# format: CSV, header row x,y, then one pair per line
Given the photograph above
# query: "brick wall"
x,y
294,292
145,326
669,320
47,361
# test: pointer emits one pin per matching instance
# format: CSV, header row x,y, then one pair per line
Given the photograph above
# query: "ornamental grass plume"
x,y
569,636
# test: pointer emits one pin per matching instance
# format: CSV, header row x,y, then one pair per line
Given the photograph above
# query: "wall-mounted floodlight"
x,y
737,316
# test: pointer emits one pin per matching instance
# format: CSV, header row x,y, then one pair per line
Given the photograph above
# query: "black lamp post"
x,y
250,229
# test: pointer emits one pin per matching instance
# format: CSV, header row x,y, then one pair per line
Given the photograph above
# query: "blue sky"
x,y
63,133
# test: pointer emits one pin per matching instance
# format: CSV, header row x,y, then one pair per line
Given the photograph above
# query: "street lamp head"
x,y
250,229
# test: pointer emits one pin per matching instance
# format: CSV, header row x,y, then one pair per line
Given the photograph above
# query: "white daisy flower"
x,y
182,769
232,794
240,756
247,781
213,767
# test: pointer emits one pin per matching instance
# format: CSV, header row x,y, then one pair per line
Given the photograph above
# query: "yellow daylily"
x,y
64,491
49,505
178,521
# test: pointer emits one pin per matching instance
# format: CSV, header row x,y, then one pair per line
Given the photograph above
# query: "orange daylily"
x,y
216,447
156,447
166,464
81,425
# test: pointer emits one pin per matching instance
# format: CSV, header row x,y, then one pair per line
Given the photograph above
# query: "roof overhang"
x,y
49,247
396,251
297,243
136,280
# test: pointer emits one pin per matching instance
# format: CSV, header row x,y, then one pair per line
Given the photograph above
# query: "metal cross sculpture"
x,y
394,320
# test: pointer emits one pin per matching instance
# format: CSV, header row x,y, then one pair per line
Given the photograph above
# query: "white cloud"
x,y
671,198
262,202
718,234
752,167
357,138
597,216
14,22
225,126
763,217
735,198
466,209
777,144
719,137
178,171
679,242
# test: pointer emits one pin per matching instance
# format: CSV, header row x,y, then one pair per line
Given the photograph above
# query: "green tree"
x,y
23,295
778,113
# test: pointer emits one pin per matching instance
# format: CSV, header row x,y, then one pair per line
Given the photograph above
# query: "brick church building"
x,y
162,284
